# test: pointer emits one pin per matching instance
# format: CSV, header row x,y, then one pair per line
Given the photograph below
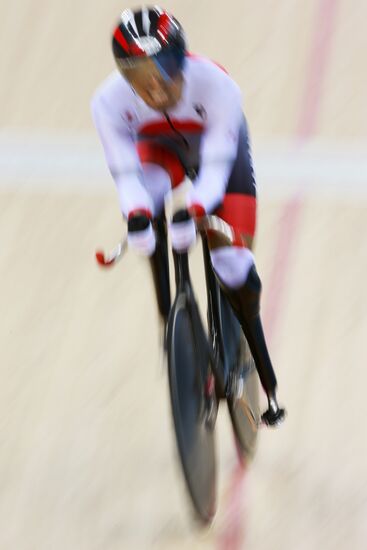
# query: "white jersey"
x,y
210,103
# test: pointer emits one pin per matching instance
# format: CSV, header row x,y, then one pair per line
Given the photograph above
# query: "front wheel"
x,y
187,361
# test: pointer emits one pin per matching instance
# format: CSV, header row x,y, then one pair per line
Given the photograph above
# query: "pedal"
x,y
273,418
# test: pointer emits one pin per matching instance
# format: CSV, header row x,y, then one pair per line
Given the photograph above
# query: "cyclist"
x,y
164,116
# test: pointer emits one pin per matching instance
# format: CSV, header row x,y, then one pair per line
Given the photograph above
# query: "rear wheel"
x,y
244,403
188,365
242,390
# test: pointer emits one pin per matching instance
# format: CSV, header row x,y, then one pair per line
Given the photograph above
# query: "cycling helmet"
x,y
149,32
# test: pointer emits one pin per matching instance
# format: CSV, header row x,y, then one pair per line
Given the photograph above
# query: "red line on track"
x,y
286,241
317,66
307,120
232,536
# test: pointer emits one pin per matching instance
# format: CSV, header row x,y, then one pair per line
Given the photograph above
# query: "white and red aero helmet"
x,y
149,32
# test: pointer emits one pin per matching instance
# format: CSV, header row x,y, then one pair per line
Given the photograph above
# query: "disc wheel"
x,y
187,365
244,403
242,390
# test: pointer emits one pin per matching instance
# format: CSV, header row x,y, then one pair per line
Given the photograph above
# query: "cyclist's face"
x,y
149,84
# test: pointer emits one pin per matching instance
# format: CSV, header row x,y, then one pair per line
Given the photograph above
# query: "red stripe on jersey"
x,y
119,37
162,127
156,154
196,56
240,212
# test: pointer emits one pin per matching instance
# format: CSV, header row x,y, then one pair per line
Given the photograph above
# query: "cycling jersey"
x,y
206,129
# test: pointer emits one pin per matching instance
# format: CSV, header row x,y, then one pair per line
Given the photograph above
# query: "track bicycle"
x,y
205,366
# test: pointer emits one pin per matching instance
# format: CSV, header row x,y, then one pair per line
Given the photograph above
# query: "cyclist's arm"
x,y
219,144
121,155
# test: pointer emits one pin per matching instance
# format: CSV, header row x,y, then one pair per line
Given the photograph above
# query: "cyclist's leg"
x,y
236,270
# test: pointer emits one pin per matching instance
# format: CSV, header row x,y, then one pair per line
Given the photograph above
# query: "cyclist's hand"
x,y
141,236
182,231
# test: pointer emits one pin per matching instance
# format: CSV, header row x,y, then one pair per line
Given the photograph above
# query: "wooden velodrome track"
x,y
87,457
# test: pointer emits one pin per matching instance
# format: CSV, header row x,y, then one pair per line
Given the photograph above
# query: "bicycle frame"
x,y
222,327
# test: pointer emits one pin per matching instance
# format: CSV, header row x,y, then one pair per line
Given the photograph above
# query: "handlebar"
x,y
206,223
